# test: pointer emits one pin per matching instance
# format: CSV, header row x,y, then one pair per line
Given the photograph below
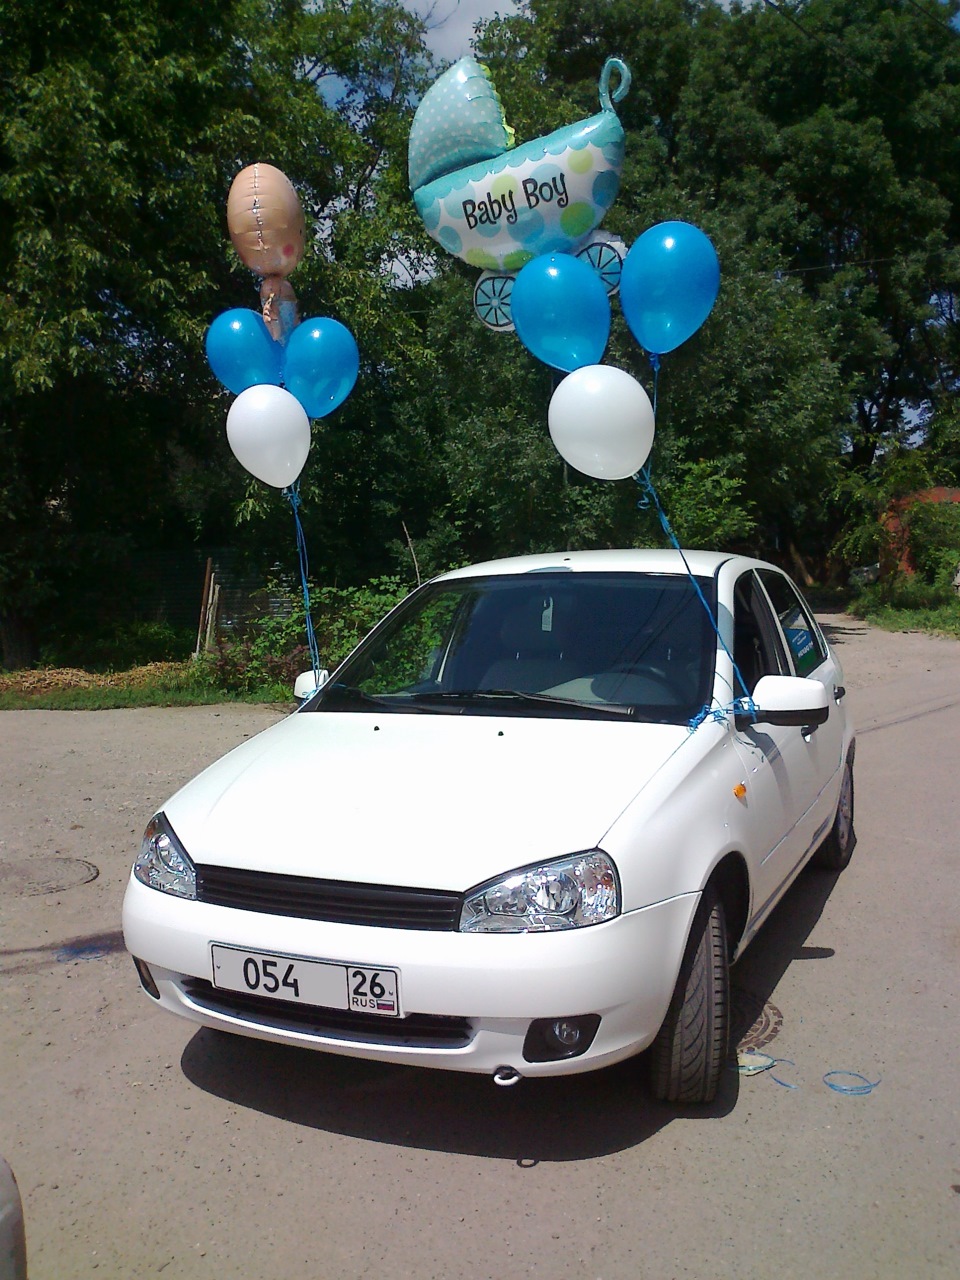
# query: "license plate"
x,y
359,988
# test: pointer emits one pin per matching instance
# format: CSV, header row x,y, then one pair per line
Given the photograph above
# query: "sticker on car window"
x,y
801,641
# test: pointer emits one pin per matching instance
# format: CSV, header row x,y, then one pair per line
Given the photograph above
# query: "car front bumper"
x,y
467,999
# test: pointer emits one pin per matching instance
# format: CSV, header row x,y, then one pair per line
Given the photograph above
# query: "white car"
x,y
524,829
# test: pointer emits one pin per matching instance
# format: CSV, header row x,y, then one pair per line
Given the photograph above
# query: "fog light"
x,y
146,979
566,1034
552,1039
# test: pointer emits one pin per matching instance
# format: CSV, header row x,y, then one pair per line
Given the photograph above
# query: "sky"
x,y
452,22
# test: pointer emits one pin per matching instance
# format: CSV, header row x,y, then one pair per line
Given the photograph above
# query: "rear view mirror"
x,y
308,682
788,700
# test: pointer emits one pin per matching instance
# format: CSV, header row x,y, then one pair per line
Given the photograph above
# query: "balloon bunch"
x,y
528,216
282,372
600,418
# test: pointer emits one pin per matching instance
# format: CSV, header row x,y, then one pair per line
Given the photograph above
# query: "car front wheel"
x,y
691,1047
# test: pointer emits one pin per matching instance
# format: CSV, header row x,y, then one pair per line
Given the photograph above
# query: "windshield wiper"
x,y
348,693
530,699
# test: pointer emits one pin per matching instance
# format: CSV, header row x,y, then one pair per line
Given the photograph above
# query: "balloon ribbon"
x,y
292,494
746,704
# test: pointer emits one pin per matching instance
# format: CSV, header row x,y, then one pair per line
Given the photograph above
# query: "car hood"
x,y
433,801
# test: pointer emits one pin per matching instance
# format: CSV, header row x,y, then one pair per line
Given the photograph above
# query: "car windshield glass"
x,y
557,644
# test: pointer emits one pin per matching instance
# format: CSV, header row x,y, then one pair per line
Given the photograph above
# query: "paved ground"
x,y
144,1148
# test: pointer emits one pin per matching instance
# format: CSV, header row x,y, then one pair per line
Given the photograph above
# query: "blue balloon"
x,y
561,311
320,365
668,285
241,351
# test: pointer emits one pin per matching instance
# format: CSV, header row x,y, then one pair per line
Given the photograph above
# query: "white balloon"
x,y
601,421
269,433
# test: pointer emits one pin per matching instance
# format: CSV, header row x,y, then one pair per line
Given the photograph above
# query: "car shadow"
x,y
576,1117
756,1021
567,1118
837,633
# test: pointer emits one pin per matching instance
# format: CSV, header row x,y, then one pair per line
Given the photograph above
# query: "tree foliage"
x,y
815,141
120,140
825,133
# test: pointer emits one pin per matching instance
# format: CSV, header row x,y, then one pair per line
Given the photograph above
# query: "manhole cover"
x,y
34,876
755,1022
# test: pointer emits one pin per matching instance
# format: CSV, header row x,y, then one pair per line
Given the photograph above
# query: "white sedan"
x,y
524,829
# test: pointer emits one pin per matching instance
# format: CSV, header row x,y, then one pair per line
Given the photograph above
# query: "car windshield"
x,y
595,645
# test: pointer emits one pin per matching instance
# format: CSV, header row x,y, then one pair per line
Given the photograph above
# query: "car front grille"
x,y
418,1030
334,901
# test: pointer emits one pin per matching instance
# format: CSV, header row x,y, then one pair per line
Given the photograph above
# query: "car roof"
x,y
633,560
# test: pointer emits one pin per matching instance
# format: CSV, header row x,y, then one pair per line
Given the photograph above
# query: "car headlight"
x,y
162,862
569,893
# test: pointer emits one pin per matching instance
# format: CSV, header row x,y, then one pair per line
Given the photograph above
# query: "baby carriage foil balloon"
x,y
497,206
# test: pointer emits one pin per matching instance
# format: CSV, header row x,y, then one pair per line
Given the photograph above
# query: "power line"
x,y
932,17
860,262
836,49
835,266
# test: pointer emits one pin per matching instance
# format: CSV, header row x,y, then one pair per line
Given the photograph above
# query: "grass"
x,y
941,621
909,603
158,684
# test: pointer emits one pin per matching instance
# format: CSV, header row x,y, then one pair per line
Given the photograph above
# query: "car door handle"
x,y
839,693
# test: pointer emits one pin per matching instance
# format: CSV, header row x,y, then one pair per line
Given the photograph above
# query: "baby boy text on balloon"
x,y
489,209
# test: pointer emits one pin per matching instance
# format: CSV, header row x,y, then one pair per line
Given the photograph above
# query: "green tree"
x,y
750,410
817,143
119,140
814,141
833,124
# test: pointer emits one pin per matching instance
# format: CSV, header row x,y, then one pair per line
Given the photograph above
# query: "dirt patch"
x,y
49,679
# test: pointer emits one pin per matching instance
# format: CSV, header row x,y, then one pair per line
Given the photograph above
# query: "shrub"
x,y
270,654
933,538
123,645
902,591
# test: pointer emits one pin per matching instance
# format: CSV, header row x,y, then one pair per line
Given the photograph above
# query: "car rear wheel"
x,y
691,1047
837,850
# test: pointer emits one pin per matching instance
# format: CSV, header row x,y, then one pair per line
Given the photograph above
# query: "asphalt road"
x,y
144,1148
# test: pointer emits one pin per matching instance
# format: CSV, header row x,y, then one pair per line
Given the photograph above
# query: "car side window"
x,y
806,642
757,648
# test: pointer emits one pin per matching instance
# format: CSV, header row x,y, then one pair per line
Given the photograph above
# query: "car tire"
x,y
837,850
690,1050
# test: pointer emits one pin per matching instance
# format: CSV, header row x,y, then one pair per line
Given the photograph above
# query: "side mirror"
x,y
788,700
307,683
